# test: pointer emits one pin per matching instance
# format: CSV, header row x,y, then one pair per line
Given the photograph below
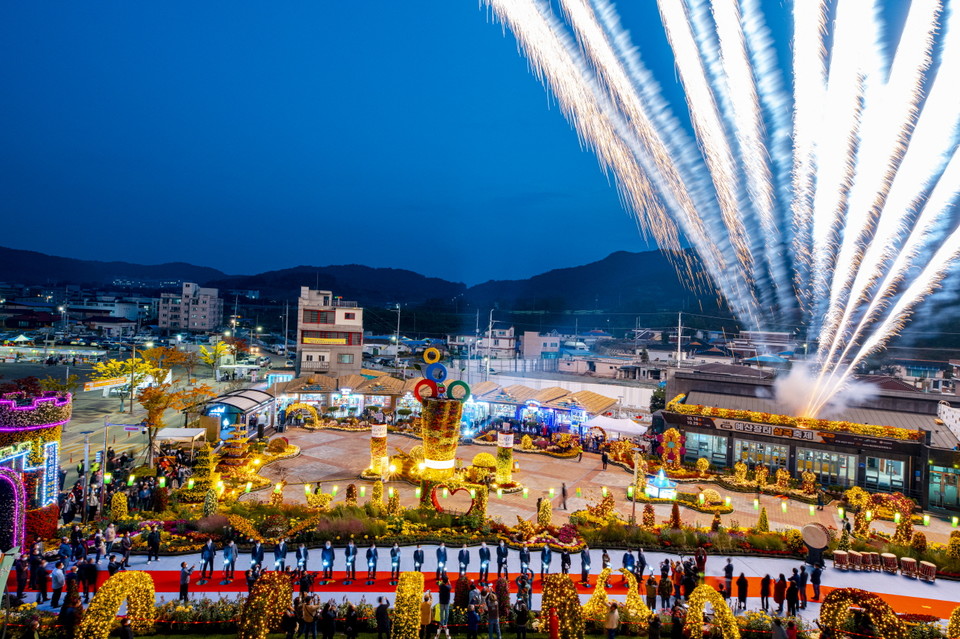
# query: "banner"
x,y
378,430
505,440
106,383
950,417
325,340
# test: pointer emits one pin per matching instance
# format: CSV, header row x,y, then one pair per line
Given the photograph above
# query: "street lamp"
x,y
63,317
633,487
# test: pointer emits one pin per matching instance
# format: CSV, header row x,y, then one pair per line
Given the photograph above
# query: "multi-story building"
x,y
536,345
500,343
194,309
329,334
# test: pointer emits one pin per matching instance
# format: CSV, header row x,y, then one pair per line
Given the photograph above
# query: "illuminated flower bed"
x,y
891,432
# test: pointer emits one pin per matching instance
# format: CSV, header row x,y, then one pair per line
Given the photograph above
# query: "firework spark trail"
x,y
707,124
924,284
748,125
888,120
777,105
809,78
836,145
663,171
936,212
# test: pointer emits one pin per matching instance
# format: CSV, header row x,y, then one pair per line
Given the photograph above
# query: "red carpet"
x,y
168,581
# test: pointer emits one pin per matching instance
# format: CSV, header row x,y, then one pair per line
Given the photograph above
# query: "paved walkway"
x,y
337,457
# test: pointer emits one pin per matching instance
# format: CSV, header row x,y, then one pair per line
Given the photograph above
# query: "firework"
x,y
830,206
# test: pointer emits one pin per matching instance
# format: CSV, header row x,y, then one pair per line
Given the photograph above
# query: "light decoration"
x,y
560,594
703,466
649,517
660,487
723,617
763,524
378,449
376,494
265,605
13,530
761,475
595,609
953,627
636,605
545,513
504,462
671,448
406,612
836,606
740,472
134,586
639,475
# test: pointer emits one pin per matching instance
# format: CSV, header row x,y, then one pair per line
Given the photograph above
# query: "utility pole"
x,y
679,336
476,346
286,327
396,340
86,474
486,373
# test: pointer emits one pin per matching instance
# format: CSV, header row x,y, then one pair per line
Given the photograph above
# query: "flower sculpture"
x,y
783,478
136,587
671,448
808,482
740,472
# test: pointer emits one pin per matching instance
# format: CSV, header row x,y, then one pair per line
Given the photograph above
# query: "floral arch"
x,y
722,615
265,605
13,508
837,605
136,587
307,407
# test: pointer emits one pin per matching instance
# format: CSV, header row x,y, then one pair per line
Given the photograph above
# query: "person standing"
x,y
665,589
311,610
546,555
565,561
153,545
302,556
765,585
525,561
382,615
793,599
651,588
802,580
780,593
815,576
34,561
350,560
257,553
372,557
326,557
502,554
185,581
251,575
604,459
418,558
641,564
394,562
229,559
463,559
612,622
441,561
521,615
627,564
484,562
43,580
777,631
653,630
700,557
493,614
426,615
473,622
742,592
57,581
443,599
280,555
563,495
585,565
207,555
21,567
728,575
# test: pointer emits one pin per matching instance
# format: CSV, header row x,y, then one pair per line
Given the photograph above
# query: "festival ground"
x,y
903,594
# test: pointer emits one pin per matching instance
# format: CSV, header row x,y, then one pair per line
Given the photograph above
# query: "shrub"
x,y
715,524
649,516
351,495
210,502
919,542
545,513
844,543
763,524
376,494
484,460
118,506
675,516
277,445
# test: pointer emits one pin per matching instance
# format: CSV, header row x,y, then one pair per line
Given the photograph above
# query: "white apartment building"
x,y
329,334
501,343
194,309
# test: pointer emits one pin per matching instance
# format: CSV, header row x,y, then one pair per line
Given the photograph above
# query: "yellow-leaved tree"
x,y
133,371
212,356
158,398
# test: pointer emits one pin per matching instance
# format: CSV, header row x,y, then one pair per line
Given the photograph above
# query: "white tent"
x,y
179,436
622,427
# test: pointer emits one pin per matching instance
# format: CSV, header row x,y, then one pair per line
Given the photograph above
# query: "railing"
x,y
316,366
343,304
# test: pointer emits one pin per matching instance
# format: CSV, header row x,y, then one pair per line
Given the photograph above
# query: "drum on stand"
x,y
816,538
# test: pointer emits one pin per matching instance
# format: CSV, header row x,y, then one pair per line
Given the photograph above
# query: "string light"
x,y
265,605
836,606
560,594
134,586
723,617
406,612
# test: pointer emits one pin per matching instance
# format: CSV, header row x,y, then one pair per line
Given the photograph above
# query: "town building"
x,y
193,309
329,334
499,343
534,345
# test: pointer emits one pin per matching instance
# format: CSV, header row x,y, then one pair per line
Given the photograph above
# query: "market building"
x,y
894,441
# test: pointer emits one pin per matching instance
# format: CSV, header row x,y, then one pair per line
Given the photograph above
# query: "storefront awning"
x,y
180,435
245,400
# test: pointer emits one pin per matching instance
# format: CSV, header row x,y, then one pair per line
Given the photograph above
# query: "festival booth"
x,y
235,410
182,436
618,427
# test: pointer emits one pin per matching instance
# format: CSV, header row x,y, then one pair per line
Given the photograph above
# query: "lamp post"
x,y
633,507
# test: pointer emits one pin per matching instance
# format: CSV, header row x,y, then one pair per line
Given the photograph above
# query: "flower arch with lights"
x,y
13,507
292,408
722,615
136,587
265,605
837,605
671,447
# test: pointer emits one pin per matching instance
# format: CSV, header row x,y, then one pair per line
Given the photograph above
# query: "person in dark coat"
x,y
382,615
351,622
585,565
793,599
43,581
372,557
327,557
441,561
207,555
328,621
463,559
565,561
473,622
502,554
418,558
653,630
70,616
802,578
33,562
279,556
545,557
484,562
126,630
22,568
780,593
256,554
765,585
815,576
350,559
741,592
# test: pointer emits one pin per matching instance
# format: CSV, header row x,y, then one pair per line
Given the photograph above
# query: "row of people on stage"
x,y
328,555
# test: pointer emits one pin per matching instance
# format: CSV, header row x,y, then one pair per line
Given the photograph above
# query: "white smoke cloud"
x,y
794,389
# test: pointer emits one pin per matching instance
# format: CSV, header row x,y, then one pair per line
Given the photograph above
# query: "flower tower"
x,y
440,417
504,458
30,432
671,448
379,461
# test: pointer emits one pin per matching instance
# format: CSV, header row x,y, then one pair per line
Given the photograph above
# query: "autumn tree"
x,y
163,358
135,370
29,385
237,345
160,397
190,362
212,356
70,385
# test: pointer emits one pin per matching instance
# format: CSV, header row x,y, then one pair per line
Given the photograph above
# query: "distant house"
x,y
111,326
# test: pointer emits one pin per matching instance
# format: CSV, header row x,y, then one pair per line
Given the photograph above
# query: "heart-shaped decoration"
x,y
458,502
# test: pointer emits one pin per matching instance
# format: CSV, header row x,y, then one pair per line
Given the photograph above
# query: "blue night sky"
x,y
253,136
